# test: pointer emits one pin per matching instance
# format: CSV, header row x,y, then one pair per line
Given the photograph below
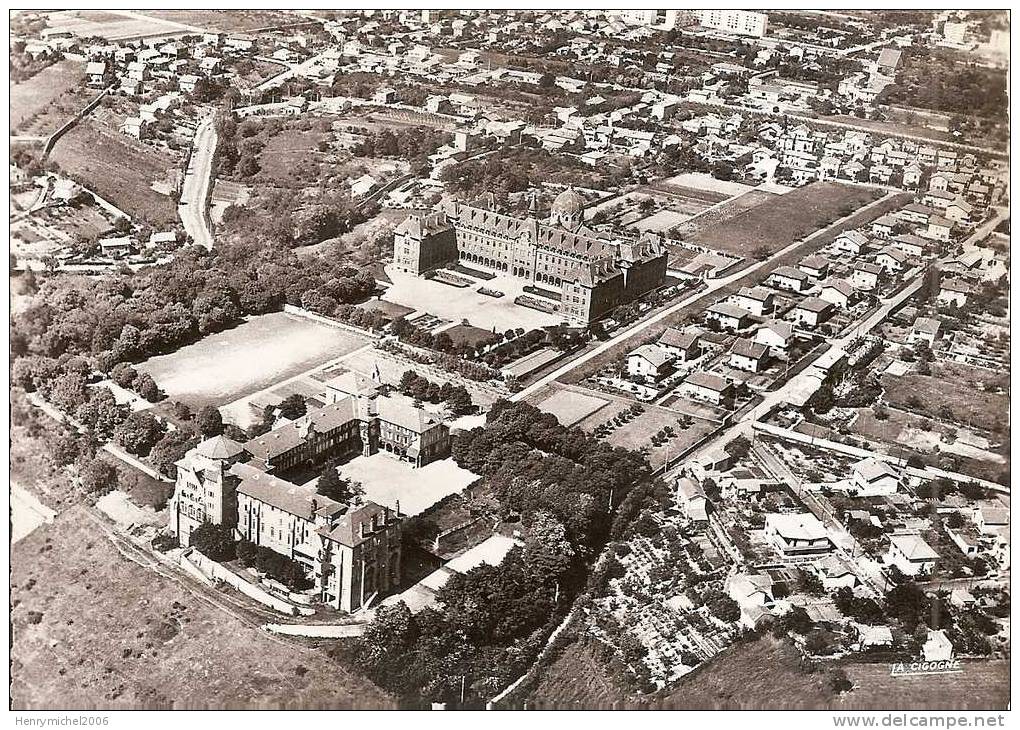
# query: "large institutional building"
x,y
593,271
352,551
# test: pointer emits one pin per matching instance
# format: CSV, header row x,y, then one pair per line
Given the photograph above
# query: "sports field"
x,y
263,350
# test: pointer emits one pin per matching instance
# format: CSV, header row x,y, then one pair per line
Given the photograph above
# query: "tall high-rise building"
x,y
737,22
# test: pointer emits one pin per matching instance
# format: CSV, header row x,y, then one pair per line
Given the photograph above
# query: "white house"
x,y
812,311
911,554
835,574
692,499
776,335
754,594
926,330
892,259
953,291
790,279
814,266
851,242
684,346
866,276
797,534
649,362
757,300
729,316
708,387
874,478
747,355
838,292
938,647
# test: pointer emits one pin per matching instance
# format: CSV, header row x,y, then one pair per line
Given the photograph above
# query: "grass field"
x,y
929,394
983,685
113,25
466,333
119,169
291,158
93,630
42,103
779,221
570,406
226,21
263,350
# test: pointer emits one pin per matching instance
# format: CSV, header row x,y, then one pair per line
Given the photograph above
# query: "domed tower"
x,y
568,209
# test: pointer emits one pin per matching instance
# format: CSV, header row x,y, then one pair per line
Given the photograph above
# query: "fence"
x,y
329,322
53,138
209,570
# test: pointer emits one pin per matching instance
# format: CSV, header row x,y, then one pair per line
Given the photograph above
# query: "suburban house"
x,y
892,259
757,300
911,554
97,74
874,478
812,311
684,346
776,335
790,279
926,330
883,227
753,593
795,535
911,245
953,292
939,228
709,387
866,276
650,362
937,647
728,316
838,292
692,499
747,355
835,573
851,242
814,266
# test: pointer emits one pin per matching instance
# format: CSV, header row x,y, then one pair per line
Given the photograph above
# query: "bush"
x,y
216,542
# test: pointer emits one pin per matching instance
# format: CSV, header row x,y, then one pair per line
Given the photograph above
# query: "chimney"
x,y
398,508
315,505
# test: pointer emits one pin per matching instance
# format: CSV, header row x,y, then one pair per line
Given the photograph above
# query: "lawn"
x,y
468,334
779,221
226,21
106,633
119,169
291,158
257,353
53,87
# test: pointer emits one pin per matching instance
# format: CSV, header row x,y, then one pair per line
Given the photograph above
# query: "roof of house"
x,y
868,268
840,285
790,273
927,325
729,310
689,489
956,285
674,337
814,262
814,304
653,354
757,293
711,381
749,349
894,253
871,470
781,328
797,526
913,547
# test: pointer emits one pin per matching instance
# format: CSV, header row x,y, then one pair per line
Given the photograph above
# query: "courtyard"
x,y
388,480
456,304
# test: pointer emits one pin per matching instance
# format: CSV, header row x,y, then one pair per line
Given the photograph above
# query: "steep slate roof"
x,y
348,529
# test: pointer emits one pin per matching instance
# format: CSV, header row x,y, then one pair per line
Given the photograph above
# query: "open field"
x,y
291,158
690,229
570,406
92,629
231,21
119,168
778,221
114,25
257,353
50,87
968,405
983,685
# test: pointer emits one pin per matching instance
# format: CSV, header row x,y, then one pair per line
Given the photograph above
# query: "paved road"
x,y
713,285
195,194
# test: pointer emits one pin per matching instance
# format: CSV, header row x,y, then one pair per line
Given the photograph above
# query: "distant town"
x,y
510,359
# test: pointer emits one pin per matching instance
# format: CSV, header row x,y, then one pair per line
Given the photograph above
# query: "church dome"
x,y
568,204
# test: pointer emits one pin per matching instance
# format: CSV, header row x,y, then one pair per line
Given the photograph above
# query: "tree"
x,y
102,414
738,448
723,607
123,374
293,406
332,486
547,551
171,449
139,432
209,421
146,387
98,477
68,392
216,542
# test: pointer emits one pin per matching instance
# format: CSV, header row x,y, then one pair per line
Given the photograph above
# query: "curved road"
x,y
195,193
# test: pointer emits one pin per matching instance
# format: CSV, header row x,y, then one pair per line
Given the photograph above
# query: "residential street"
x,y
195,193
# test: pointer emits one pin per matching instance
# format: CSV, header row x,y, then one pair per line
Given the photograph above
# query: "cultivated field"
x,y
263,350
776,222
968,405
91,628
120,169
570,405
114,25
291,158
42,103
